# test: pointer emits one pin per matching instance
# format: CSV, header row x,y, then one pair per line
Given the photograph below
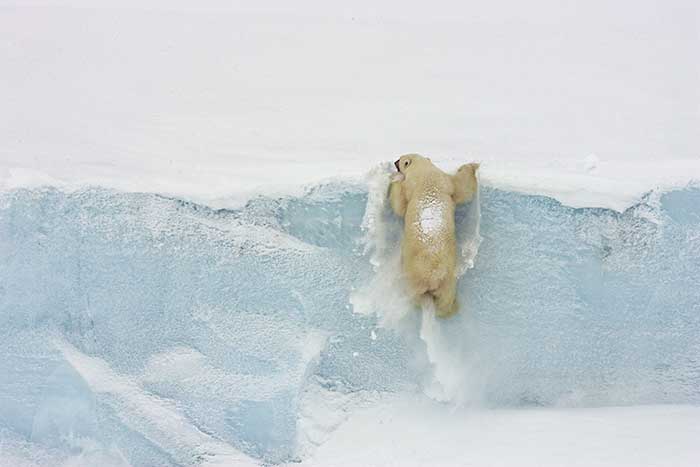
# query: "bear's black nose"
x,y
397,164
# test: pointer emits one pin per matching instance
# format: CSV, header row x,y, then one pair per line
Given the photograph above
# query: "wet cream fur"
x,y
426,197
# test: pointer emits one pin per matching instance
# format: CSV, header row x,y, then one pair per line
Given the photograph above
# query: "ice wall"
x,y
137,329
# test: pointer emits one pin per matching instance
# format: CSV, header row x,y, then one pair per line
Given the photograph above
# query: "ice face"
x,y
152,331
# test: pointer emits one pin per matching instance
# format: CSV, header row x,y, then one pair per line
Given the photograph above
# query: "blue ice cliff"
x,y
143,330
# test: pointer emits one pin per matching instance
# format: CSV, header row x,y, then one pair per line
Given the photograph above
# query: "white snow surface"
x,y
216,101
412,432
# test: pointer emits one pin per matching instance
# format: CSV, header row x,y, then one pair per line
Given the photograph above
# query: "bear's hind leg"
x,y
446,298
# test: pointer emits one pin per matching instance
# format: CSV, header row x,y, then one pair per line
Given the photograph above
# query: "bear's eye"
x,y
405,164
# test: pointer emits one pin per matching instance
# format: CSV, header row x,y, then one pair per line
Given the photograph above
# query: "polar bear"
x,y
426,197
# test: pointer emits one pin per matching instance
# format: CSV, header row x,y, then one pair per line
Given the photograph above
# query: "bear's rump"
x,y
427,269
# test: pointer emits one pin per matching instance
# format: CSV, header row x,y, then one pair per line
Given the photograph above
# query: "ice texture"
x,y
140,330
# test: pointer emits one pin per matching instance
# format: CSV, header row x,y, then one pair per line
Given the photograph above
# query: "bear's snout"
x,y
397,164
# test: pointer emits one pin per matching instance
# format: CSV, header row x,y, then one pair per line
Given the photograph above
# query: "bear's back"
x,y
429,233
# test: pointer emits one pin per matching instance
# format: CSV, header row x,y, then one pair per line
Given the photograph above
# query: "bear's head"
x,y
408,161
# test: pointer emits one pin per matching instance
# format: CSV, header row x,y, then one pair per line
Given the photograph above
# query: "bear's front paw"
x,y
471,167
399,177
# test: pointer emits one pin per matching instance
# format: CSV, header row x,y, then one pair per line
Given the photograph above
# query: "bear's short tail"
x,y
437,277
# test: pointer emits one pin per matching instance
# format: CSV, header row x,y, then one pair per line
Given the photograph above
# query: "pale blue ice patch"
x,y
162,332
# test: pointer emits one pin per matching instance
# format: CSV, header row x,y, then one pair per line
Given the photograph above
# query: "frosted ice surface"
x,y
151,331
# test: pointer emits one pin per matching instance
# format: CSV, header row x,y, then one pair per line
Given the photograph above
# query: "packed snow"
x,y
414,432
218,101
